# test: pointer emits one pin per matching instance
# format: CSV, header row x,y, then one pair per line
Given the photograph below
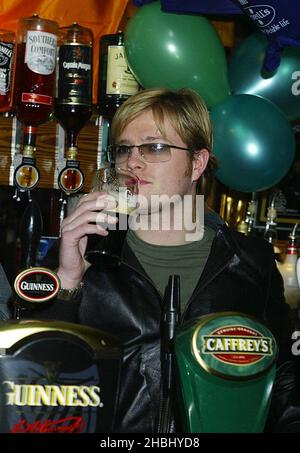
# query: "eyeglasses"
x,y
150,152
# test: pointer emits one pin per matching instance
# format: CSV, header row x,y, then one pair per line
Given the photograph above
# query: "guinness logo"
x,y
37,284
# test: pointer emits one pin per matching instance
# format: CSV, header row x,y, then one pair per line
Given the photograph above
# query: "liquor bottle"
x,y
250,215
7,57
242,227
73,100
36,59
34,88
116,82
246,226
270,233
288,270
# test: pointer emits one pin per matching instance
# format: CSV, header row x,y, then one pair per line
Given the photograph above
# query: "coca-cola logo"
x,y
37,284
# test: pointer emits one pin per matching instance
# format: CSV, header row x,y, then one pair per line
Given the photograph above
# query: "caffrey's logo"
x,y
262,15
37,284
237,345
233,345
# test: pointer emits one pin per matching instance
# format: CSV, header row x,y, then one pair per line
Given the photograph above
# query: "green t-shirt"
x,y
160,261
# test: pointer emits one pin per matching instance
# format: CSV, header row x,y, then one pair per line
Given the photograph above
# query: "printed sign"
x,y
37,284
234,346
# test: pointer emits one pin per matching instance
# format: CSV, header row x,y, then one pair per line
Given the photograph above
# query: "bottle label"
x,y
40,54
33,98
119,77
232,346
74,84
6,61
292,250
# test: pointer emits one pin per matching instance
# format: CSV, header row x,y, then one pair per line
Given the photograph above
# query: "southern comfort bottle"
x,y
34,88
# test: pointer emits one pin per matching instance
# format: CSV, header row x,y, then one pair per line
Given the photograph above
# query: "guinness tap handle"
x,y
33,284
30,234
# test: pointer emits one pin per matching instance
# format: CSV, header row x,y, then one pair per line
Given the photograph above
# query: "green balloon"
x,y
253,141
177,51
246,76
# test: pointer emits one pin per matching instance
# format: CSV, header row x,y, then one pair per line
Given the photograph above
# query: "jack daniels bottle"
x,y
73,101
7,57
34,90
116,82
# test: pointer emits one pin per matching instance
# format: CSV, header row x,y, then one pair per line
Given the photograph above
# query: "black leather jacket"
x,y
240,275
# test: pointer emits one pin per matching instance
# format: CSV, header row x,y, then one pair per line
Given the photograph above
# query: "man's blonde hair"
x,y
186,112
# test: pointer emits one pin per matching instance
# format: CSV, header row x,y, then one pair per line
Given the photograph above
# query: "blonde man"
x,y
164,138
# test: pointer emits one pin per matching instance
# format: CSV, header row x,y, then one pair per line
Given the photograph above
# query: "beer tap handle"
x,y
30,234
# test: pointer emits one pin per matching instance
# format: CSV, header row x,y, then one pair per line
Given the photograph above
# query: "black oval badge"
x,y
37,284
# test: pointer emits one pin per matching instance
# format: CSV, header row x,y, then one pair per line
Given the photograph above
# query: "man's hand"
x,y
74,234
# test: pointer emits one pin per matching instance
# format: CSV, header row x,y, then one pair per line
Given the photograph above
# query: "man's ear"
x,y
200,161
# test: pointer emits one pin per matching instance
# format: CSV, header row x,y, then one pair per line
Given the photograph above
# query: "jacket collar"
x,y
222,251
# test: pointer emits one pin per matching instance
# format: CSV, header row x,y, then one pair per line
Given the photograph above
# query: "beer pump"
x,y
170,320
226,368
30,282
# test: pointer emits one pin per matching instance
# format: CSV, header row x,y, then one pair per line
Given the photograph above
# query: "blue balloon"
x,y
253,142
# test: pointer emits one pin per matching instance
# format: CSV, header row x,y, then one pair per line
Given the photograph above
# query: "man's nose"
x,y
135,159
